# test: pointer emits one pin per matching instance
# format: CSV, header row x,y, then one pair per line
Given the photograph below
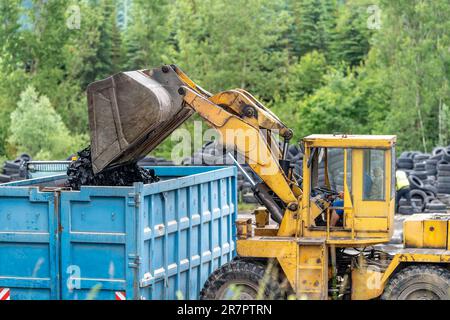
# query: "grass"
x,y
247,207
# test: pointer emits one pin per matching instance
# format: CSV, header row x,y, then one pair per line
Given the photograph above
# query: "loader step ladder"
x,y
312,271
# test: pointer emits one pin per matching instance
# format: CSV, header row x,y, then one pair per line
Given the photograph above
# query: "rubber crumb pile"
x,y
80,173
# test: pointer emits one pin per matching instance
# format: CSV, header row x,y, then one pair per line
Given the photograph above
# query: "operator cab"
x,y
348,184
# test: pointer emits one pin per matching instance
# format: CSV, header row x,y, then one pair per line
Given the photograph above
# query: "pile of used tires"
x,y
214,154
153,161
335,159
14,170
429,176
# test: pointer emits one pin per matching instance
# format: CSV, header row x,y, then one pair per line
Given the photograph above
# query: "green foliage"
x,y
148,37
336,107
307,75
10,39
351,36
233,43
37,129
10,87
413,53
95,50
312,28
314,62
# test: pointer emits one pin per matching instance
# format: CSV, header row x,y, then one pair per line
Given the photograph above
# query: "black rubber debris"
x,y
80,173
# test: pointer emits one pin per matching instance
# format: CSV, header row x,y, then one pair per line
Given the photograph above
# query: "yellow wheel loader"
x,y
323,239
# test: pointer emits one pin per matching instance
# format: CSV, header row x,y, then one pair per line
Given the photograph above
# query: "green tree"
x,y
91,53
37,129
148,36
412,50
93,49
350,39
44,40
307,75
10,87
233,43
12,64
40,35
11,39
336,107
314,21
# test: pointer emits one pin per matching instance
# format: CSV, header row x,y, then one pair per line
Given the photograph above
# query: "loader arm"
x,y
257,151
241,121
123,109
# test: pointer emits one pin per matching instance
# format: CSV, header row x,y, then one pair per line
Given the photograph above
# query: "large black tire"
x,y
419,282
249,279
446,154
443,165
430,190
405,163
418,194
438,151
421,157
443,185
416,182
4,178
436,205
405,210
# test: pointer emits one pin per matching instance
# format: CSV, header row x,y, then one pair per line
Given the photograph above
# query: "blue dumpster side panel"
x,y
157,241
28,236
98,242
187,232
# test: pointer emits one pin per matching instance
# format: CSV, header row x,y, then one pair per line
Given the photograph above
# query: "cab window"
x,y
335,168
374,175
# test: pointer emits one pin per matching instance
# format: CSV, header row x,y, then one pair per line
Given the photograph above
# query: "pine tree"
x,y
413,54
314,21
10,59
234,43
10,37
95,51
147,36
350,40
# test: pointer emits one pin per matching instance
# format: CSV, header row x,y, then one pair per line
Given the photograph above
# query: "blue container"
x,y
156,241
39,169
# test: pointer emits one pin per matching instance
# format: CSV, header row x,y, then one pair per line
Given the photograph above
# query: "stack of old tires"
x,y
153,161
335,169
443,173
14,170
214,154
428,193
405,162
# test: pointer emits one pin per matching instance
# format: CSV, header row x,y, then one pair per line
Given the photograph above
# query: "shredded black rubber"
x,y
80,173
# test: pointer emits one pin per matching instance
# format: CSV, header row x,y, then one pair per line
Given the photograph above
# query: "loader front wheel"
x,y
419,282
242,279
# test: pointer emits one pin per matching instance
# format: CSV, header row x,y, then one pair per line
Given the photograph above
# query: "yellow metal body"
x,y
427,231
261,217
365,223
302,247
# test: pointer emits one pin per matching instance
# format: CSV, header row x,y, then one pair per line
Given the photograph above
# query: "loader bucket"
x,y
132,112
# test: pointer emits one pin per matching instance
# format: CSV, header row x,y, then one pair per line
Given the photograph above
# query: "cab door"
x,y
370,190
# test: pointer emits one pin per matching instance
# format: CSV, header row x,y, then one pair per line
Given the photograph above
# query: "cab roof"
x,y
351,141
